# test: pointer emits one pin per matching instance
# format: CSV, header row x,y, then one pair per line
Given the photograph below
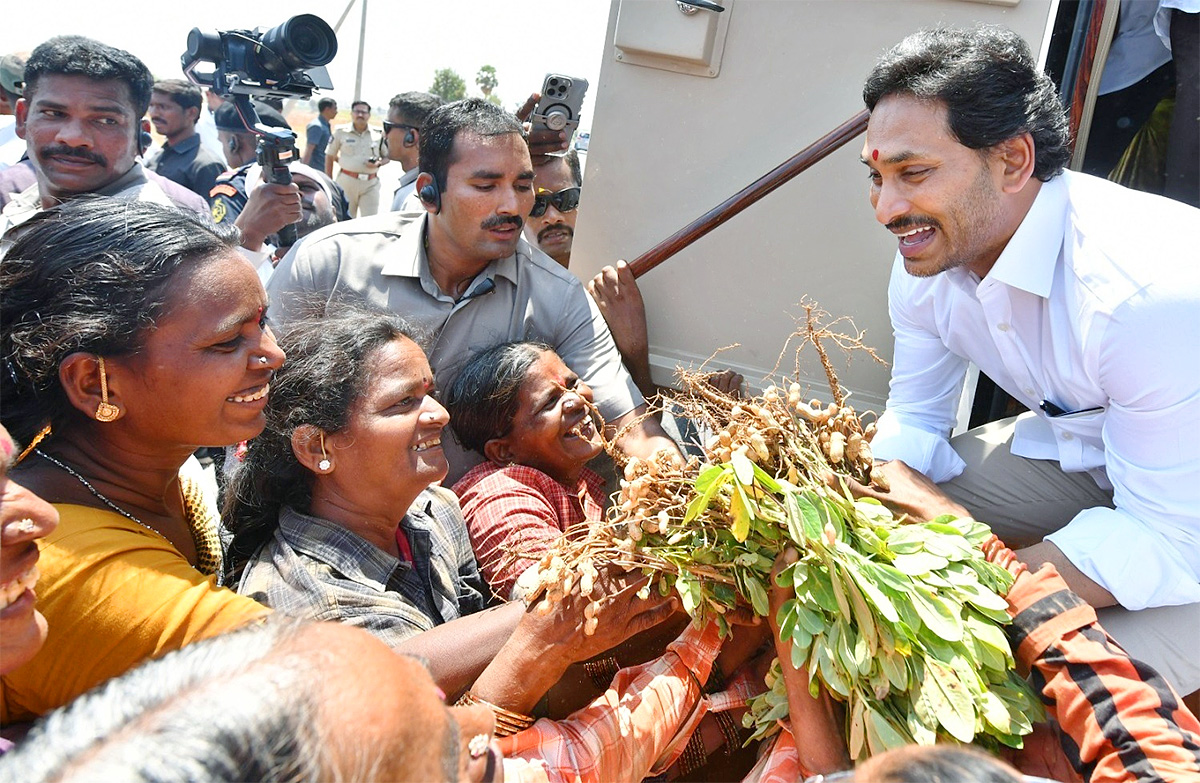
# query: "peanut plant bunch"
x,y
902,622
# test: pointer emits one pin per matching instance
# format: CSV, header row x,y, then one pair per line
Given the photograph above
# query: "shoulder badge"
x,y
218,210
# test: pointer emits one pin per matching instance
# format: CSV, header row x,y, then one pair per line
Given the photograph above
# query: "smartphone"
x,y
562,100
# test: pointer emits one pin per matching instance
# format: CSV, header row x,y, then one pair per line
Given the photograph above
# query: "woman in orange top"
x,y
131,334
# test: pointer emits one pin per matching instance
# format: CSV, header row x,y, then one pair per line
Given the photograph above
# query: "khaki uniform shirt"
x,y
526,296
353,148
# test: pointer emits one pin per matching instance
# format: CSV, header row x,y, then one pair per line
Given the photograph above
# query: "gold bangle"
x,y
693,756
729,730
507,721
602,671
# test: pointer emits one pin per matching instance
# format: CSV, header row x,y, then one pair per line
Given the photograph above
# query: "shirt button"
x,y
1028,392
1002,327
1068,436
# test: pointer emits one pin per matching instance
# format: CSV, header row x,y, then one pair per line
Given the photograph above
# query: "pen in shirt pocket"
x,y
1055,412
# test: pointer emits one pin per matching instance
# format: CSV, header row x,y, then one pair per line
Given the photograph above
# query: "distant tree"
x,y
487,81
448,85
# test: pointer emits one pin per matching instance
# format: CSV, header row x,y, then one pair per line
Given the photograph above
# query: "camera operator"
x,y
273,207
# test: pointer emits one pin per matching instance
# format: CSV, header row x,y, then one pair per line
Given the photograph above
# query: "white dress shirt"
x,y
1094,306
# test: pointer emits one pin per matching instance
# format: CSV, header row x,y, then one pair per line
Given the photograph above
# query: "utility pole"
x,y
362,43
362,47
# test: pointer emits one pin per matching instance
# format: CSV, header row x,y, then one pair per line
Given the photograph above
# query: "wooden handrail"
x,y
801,161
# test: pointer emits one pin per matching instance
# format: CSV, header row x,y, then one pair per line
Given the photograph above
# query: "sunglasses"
x,y
564,200
388,127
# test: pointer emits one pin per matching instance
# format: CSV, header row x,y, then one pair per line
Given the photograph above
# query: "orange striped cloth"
x,y
1119,720
637,728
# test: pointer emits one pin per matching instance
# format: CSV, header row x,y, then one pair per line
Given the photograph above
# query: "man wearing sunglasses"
x,y
551,224
402,138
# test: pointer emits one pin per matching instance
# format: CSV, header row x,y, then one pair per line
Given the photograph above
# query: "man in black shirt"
x,y
174,110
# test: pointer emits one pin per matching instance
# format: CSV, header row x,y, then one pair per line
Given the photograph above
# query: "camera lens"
x,y
554,82
304,41
203,46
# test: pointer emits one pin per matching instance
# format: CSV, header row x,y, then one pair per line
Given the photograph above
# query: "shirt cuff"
x,y
1129,559
923,451
1044,610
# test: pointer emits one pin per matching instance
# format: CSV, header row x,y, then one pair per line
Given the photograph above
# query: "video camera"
x,y
287,61
284,62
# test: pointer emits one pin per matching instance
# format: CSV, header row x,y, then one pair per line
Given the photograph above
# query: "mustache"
x,y
908,221
556,227
496,221
73,152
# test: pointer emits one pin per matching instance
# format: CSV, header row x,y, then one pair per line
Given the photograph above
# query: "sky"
x,y
406,40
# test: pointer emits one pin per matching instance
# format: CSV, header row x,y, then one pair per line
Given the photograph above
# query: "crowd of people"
x,y
412,406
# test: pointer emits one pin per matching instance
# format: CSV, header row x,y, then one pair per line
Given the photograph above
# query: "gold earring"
x,y
324,464
105,411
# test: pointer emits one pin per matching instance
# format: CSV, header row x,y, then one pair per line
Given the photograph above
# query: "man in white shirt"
x,y
1078,297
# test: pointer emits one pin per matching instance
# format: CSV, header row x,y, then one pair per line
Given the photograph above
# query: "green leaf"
x,y
765,479
708,476
689,593
919,563
741,515
907,540
743,468
950,699
809,620
830,673
937,615
719,475
858,721
882,603
839,593
881,734
863,617
795,518
812,518
757,595
982,599
820,589
995,712
895,670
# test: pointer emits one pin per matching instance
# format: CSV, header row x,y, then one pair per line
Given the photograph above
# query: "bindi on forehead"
x,y
874,154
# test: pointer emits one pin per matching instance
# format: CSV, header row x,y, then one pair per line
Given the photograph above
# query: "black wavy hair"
x,y
443,126
990,84
74,55
327,370
92,274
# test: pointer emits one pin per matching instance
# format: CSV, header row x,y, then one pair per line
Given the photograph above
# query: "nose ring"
x,y
263,360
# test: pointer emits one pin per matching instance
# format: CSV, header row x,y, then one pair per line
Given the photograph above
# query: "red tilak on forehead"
x,y
874,154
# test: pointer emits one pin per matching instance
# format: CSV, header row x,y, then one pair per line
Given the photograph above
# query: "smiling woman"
x,y
131,334
522,408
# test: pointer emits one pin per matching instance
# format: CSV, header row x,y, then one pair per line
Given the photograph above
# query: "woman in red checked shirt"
x,y
518,405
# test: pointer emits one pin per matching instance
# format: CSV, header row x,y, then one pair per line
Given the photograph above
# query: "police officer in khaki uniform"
x,y
355,148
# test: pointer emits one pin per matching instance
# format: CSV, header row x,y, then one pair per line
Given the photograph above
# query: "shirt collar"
x,y
135,176
29,201
353,556
1022,264
410,260
187,145
410,176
